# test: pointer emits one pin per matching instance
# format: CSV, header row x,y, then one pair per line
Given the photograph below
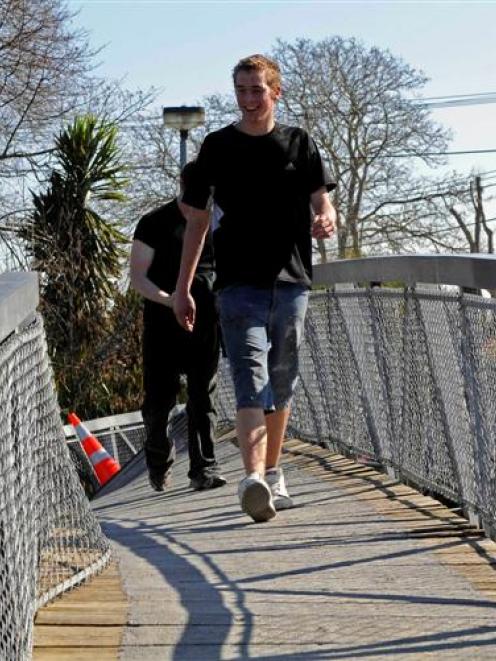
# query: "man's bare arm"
x,y
324,222
141,259
197,224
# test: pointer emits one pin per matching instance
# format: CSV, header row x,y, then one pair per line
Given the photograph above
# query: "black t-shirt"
x,y
163,230
261,191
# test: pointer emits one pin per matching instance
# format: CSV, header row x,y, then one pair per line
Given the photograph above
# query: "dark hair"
x,y
187,174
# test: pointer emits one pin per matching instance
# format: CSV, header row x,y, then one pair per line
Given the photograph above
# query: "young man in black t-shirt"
x,y
169,351
265,177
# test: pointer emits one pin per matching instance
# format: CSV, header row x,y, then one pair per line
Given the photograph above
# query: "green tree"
x,y
120,358
79,253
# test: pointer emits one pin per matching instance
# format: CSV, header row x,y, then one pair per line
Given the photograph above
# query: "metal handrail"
x,y
476,271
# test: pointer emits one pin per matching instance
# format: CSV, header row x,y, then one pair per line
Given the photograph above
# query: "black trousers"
x,y
168,352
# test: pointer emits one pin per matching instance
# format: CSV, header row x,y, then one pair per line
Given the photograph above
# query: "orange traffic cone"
x,y
103,464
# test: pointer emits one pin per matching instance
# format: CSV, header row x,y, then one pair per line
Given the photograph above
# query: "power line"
x,y
459,96
457,100
444,230
433,188
441,153
437,192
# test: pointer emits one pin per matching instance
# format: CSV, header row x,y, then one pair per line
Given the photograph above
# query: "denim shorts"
x,y
262,331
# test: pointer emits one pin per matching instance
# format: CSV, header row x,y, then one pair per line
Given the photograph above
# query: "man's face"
x,y
255,98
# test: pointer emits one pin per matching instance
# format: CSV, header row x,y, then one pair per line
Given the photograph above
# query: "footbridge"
x,y
390,457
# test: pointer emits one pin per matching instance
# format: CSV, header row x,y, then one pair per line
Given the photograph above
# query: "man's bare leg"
x,y
254,494
252,439
276,430
261,438
276,424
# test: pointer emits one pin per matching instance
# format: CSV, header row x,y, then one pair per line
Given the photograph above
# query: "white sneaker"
x,y
255,498
277,485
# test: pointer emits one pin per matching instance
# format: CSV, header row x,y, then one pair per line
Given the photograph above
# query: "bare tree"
x,y
459,210
152,157
153,153
41,60
468,212
46,80
42,63
358,104
449,215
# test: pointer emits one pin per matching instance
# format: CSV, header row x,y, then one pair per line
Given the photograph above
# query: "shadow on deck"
x,y
363,567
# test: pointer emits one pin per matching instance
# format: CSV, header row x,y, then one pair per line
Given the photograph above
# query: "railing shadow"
x,y
225,602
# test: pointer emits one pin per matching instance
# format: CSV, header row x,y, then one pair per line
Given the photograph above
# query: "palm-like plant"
x,y
77,249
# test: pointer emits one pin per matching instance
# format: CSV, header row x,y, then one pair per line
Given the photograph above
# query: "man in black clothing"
x,y
169,350
269,188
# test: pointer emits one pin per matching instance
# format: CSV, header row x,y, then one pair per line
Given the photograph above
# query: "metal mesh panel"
x,y
408,378
123,443
226,405
85,471
340,412
122,436
49,538
425,436
478,347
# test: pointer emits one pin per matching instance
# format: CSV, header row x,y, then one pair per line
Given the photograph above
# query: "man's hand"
x,y
323,226
185,310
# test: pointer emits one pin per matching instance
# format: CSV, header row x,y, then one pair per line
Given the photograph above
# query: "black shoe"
x,y
207,480
159,481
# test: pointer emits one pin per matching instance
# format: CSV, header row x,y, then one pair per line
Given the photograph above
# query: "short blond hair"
x,y
259,62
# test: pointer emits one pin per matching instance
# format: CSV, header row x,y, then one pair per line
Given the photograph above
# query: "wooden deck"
x,y
363,567
89,618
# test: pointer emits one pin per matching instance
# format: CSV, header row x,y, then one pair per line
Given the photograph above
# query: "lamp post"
x,y
183,119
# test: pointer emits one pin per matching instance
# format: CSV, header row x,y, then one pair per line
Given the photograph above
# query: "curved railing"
x,y
404,375
49,538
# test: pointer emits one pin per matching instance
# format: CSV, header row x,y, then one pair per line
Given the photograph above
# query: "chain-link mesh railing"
x,y
123,437
49,537
407,378
403,376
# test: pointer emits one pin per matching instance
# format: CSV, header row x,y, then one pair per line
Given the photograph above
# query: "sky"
x,y
188,48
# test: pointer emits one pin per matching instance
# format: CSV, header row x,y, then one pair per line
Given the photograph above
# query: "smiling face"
x,y
256,100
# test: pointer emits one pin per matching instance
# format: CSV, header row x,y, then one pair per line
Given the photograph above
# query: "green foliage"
x,y
106,377
79,253
121,367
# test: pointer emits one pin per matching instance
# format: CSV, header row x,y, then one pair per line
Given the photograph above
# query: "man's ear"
x,y
276,93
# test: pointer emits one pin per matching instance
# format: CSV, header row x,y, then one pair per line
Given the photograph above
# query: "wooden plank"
x,y
75,654
432,519
91,616
87,615
77,635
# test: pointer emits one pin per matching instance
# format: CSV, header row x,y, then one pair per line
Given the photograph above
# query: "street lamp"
x,y
183,119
